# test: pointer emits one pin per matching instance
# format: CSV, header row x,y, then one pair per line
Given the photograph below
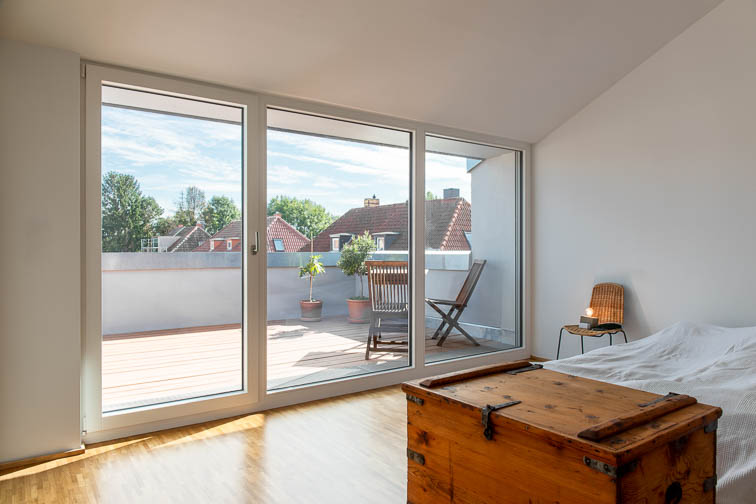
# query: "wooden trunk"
x,y
555,438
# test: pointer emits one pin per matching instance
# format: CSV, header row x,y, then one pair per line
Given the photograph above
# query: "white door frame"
x,y
256,397
92,367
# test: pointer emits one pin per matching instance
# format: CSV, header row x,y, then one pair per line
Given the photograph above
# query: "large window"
x,y
232,267
338,196
472,248
171,256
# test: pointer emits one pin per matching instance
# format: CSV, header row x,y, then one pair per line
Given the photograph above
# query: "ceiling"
x,y
513,68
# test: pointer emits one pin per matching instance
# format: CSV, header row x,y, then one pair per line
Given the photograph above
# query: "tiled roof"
x,y
447,223
447,220
276,228
231,230
190,237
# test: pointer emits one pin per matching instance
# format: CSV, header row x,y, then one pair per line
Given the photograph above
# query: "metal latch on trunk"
x,y
486,414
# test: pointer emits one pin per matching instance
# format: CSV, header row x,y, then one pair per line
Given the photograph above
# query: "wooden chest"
x,y
518,433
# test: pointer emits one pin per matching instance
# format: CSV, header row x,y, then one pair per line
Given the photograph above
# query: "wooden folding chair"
x,y
608,305
450,318
388,289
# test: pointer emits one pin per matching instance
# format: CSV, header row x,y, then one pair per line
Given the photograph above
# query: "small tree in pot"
x,y
311,309
352,262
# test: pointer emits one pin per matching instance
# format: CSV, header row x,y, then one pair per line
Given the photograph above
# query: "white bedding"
x,y
716,365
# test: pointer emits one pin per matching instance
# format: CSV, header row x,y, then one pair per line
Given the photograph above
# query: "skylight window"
x,y
278,244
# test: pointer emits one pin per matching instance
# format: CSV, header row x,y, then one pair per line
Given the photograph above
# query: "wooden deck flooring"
x,y
160,366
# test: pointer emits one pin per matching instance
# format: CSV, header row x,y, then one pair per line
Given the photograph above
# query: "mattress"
x,y
716,365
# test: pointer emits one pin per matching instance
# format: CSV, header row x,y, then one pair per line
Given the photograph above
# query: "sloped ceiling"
x,y
514,68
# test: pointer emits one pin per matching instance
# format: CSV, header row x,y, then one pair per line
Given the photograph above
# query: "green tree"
x,y
306,216
219,212
163,225
353,257
310,270
190,205
430,196
127,215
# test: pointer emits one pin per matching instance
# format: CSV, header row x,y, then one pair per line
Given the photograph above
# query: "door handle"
x,y
255,248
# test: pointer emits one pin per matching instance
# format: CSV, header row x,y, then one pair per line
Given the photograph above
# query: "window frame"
x,y
418,368
114,424
259,398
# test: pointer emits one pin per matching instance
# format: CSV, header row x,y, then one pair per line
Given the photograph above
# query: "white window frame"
x,y
115,424
335,242
418,368
380,243
257,398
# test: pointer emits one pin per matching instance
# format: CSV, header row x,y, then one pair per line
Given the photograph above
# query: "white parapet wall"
x,y
154,291
151,291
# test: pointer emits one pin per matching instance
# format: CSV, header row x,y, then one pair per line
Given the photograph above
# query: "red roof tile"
x,y
277,228
447,220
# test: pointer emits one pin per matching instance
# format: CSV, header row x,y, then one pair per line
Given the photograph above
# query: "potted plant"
x,y
352,262
311,309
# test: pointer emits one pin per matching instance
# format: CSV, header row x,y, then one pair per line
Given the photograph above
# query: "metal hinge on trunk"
x,y
609,469
711,427
415,456
417,400
710,484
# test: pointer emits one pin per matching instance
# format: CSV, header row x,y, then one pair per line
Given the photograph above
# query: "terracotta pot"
x,y
310,310
359,311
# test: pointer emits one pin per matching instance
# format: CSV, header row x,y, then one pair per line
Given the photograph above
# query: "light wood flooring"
x,y
160,366
348,449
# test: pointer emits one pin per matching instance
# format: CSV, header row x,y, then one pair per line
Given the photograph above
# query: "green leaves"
x,y
219,212
190,206
306,216
313,268
353,257
127,215
355,253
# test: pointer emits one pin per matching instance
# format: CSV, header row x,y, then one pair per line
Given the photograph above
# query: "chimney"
x,y
372,202
452,192
201,223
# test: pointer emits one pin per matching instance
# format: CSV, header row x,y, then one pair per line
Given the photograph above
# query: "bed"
x,y
717,365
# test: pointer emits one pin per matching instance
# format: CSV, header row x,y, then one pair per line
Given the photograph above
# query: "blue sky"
x,y
168,153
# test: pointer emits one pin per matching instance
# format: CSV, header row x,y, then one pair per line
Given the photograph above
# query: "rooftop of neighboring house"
x,y
447,221
281,237
189,238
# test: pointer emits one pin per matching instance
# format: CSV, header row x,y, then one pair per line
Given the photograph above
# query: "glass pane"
x,y
171,248
471,249
338,202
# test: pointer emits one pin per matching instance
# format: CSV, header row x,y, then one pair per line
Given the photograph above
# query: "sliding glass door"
x,y
167,184
338,235
242,257
171,248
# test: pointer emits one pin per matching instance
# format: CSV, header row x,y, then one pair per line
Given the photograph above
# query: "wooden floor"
x,y
348,449
160,366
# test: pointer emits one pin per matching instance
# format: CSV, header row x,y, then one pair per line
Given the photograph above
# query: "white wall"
x,y
494,201
40,344
653,185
